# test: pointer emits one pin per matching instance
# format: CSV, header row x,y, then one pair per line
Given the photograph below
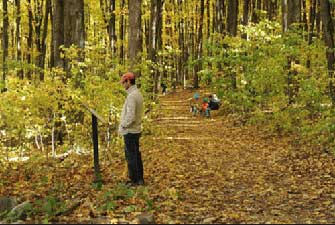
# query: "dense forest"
x,y
271,62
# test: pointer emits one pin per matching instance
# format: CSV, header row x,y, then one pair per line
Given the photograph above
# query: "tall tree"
x,y
43,44
58,32
318,18
135,33
293,12
220,15
74,23
329,40
245,19
5,40
30,43
18,37
68,27
312,16
284,15
232,17
304,15
198,65
41,21
293,17
122,33
181,42
232,29
155,37
108,8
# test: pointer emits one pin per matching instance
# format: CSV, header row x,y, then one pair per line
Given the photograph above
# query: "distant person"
x,y
164,87
214,102
130,129
195,104
205,110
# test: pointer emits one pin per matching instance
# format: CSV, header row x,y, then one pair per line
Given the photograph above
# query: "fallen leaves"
x,y
220,173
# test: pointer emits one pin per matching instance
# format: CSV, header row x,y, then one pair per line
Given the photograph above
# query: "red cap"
x,y
127,76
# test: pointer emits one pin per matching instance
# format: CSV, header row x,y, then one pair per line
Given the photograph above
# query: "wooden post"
x,y
95,118
96,148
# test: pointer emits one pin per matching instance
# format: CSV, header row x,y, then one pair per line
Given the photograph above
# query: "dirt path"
x,y
212,171
197,170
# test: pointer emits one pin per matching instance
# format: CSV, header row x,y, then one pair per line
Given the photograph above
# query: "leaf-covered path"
x,y
197,170
217,171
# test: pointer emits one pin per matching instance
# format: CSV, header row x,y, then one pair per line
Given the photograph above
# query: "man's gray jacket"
x,y
131,116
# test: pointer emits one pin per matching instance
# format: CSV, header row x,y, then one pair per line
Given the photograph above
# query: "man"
x,y
130,128
164,87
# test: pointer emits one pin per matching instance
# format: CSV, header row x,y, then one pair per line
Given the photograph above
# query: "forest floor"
x,y
197,170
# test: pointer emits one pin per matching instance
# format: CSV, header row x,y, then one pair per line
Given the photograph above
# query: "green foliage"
x,y
260,67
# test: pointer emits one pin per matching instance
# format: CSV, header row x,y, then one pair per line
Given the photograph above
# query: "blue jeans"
x,y
133,157
206,113
194,110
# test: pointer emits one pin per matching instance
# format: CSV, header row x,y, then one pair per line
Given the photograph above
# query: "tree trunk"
x,y
293,17
312,15
135,34
18,38
329,41
5,40
68,28
155,38
293,12
58,32
112,27
232,17
220,14
198,65
30,39
318,18
74,33
284,15
304,15
43,44
181,43
245,20
74,23
122,24
232,29
108,8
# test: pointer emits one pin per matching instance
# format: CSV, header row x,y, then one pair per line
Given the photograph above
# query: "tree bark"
x,y
122,24
135,34
18,38
108,8
198,65
43,44
5,40
293,12
232,29
329,41
312,16
58,32
220,14
245,20
232,17
155,37
74,23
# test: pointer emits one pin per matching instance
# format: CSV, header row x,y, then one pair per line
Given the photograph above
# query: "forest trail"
x,y
196,170
217,171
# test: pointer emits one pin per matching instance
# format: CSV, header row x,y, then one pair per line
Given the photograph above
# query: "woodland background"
x,y
271,62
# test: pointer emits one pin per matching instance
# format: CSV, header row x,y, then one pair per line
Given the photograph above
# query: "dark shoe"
x,y
140,183
130,183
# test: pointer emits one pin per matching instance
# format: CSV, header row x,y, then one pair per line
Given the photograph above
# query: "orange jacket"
x,y
204,106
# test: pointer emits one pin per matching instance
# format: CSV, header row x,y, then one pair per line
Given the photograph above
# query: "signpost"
x,y
95,117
